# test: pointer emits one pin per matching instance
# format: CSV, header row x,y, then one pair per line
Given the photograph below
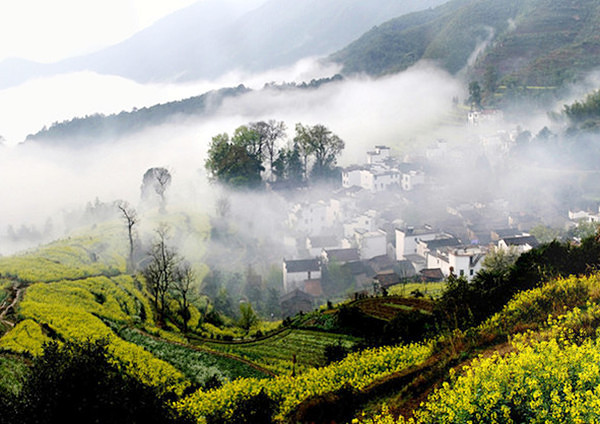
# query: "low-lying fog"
x,y
404,111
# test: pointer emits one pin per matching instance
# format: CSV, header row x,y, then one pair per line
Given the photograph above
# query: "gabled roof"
x,y
302,265
342,255
521,241
432,274
442,242
381,262
387,278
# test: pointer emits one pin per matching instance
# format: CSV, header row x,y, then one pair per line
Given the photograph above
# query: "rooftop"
x,y
342,255
302,265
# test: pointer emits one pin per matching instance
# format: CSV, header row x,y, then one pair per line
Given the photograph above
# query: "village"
x,y
382,228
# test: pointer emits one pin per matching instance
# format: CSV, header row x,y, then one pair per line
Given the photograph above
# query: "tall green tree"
x,y
288,166
235,163
322,145
269,133
248,317
475,94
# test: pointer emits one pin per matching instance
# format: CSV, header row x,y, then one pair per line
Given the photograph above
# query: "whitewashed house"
x,y
371,243
352,176
523,243
297,272
462,261
310,218
316,244
366,221
379,155
584,216
407,240
412,179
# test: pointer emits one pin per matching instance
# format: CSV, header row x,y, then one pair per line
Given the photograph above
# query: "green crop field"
x,y
276,353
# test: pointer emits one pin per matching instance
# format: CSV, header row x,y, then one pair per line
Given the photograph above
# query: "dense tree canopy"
x,y
233,162
239,161
320,143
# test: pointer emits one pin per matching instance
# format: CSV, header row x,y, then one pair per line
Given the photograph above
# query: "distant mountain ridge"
x,y
533,42
97,128
212,37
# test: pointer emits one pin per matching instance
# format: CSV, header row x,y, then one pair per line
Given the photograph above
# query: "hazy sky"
x,y
48,31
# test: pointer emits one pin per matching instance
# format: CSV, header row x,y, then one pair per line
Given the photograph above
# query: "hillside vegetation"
x,y
523,43
478,352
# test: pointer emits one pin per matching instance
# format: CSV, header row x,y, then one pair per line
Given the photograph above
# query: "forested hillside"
x,y
521,43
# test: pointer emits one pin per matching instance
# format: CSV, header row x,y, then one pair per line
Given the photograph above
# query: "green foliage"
x,y
534,42
79,382
201,368
275,352
234,162
239,162
65,259
335,352
248,318
320,143
355,372
288,166
500,260
13,372
253,409
584,116
475,94
464,304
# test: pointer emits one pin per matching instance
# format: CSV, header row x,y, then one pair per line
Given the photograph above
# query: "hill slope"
x,y
213,37
531,42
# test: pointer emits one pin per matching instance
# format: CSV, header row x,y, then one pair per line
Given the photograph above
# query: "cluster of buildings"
x,y
360,228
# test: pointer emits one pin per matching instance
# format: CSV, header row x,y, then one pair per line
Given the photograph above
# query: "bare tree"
x,y
182,288
160,271
223,206
130,217
156,180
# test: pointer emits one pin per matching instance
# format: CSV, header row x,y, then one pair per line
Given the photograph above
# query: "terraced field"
x,y
386,308
277,353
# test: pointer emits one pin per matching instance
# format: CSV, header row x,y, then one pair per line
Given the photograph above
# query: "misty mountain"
x,y
213,37
527,42
81,131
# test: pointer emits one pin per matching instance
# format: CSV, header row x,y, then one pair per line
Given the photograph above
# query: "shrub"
x,y
80,382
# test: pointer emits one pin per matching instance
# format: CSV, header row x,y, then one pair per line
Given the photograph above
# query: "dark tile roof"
x,y
521,241
342,255
387,279
437,243
432,274
302,265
